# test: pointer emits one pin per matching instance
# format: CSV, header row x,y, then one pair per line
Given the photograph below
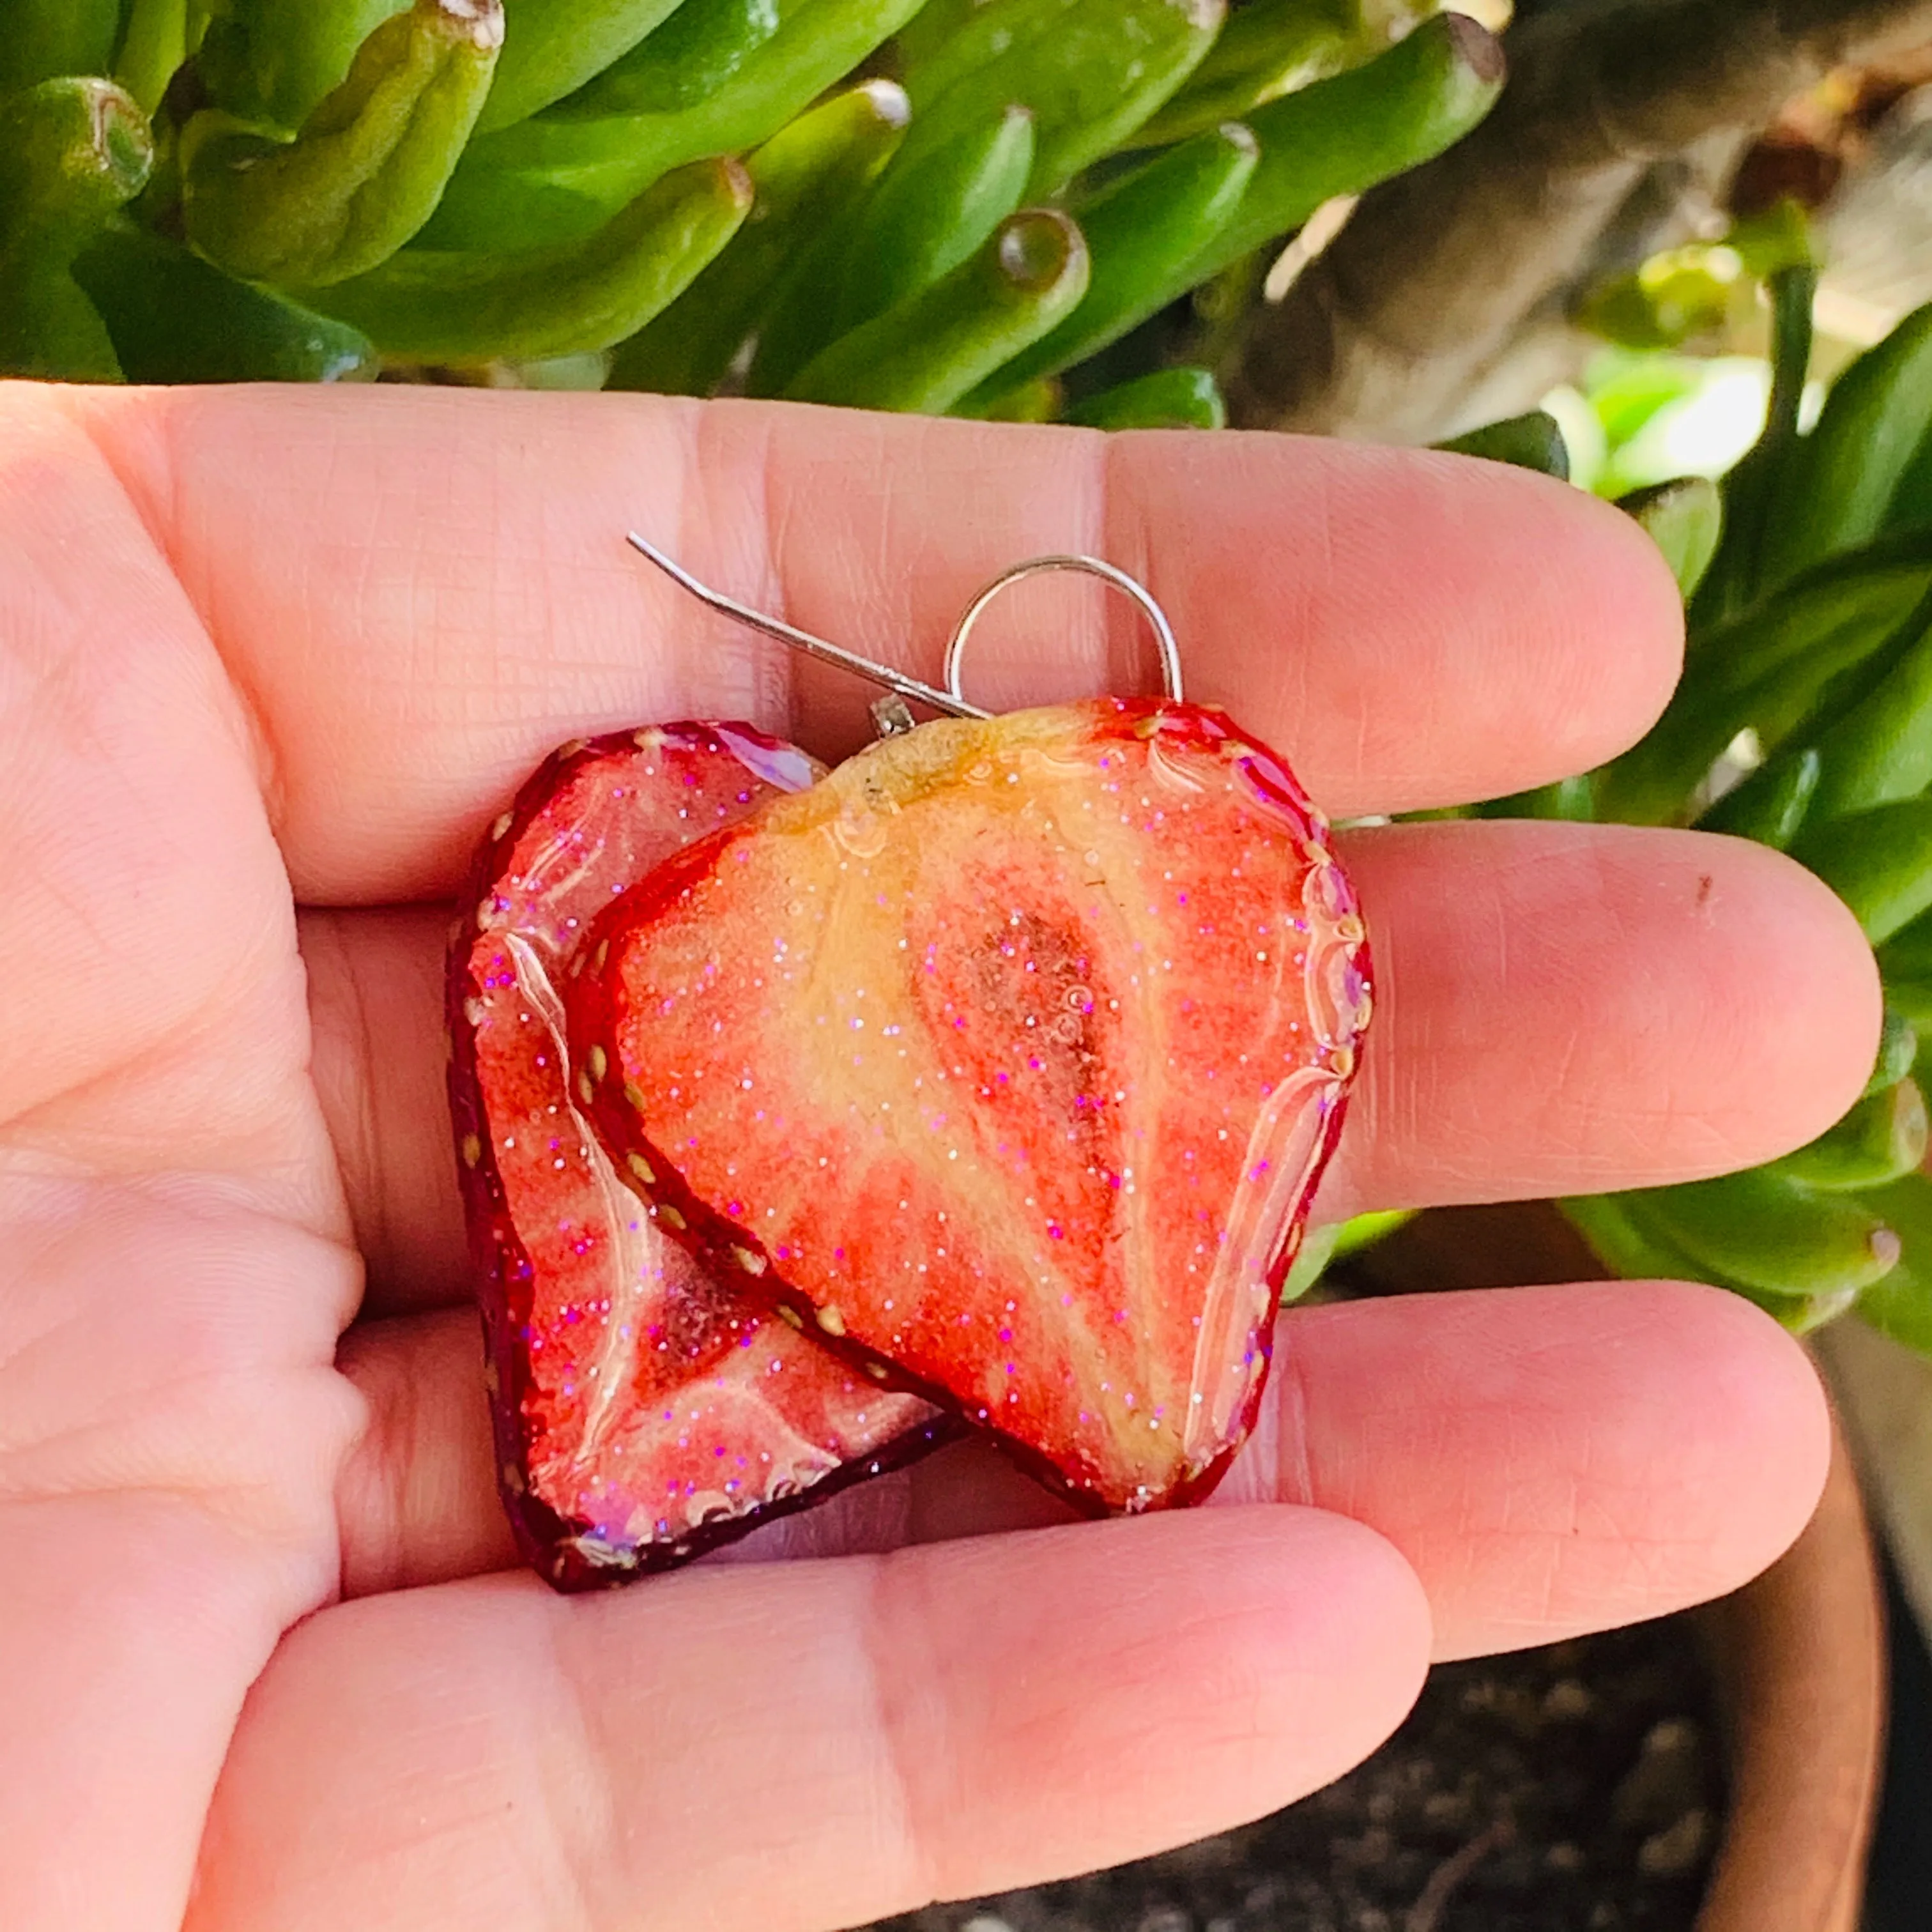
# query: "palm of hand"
x,y
262,1662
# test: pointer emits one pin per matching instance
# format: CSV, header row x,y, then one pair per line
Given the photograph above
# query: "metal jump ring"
x,y
1091,566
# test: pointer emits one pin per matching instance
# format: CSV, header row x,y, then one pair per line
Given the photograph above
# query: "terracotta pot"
x,y
1800,1660
1798,1655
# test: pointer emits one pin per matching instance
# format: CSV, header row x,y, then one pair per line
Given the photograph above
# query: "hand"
x,y
269,660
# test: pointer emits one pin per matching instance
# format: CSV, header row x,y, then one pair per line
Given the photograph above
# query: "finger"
x,y
805,1745
1560,1009
1548,1460
1575,1009
1551,1460
422,592
145,920
378,1056
417,1503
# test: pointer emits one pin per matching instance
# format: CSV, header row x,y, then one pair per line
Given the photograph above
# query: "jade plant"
x,y
1803,721
937,206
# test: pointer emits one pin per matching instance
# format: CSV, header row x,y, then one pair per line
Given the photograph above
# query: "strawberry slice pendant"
x,y
644,1410
803,1118
1006,1059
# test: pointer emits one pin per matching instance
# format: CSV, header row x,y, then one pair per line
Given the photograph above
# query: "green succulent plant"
x,y
937,205
1803,720
1809,671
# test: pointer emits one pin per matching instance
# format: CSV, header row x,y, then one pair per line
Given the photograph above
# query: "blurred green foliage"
x,y
342,188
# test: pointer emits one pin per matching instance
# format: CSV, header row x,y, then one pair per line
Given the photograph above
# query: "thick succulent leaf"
x,y
277,61
1533,441
1882,1137
806,177
1180,398
1764,1232
937,346
159,38
918,226
689,59
1270,48
1685,518
1143,232
1341,136
430,305
72,153
1901,1304
1090,72
1840,481
552,47
558,176
368,166
1765,670
1880,862
44,40
174,318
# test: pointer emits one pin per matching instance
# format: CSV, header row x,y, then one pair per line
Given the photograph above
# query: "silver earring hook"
x,y
817,647
1092,566
953,701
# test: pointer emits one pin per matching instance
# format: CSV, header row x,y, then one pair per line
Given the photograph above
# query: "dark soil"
x,y
1574,1789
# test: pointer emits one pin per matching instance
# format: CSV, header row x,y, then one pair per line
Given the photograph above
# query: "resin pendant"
x,y
644,1411
1004,1061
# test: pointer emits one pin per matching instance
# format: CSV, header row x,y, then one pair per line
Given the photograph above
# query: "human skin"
x,y
269,660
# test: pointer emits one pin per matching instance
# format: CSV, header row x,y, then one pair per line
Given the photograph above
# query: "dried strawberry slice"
x,y
1009,1056
643,1411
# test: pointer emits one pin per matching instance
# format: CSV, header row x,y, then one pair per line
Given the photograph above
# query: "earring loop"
x,y
1091,566
893,718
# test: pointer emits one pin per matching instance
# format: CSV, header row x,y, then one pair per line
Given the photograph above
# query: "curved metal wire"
x,y
804,640
1091,566
953,699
